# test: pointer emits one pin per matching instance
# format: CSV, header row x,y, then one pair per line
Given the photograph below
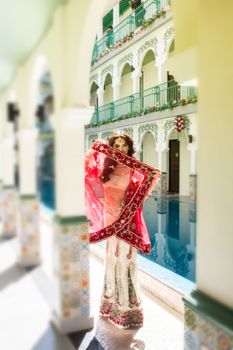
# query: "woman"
x,y
116,186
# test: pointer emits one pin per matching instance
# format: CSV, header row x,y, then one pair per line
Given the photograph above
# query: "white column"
x,y
136,80
162,160
162,165
29,238
100,94
71,243
116,15
70,156
116,90
8,157
27,161
9,199
193,160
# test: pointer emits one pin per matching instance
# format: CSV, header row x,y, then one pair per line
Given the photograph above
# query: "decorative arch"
x,y
39,68
93,93
144,55
106,134
93,78
93,82
128,131
168,38
169,127
13,103
107,70
143,129
92,138
123,61
148,45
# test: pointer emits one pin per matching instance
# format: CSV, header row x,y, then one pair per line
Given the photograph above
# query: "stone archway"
x,y
126,84
148,149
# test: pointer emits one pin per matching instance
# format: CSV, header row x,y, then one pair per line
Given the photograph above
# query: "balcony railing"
x,y
143,15
158,98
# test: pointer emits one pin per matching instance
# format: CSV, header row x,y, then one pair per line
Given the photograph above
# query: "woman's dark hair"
x,y
110,164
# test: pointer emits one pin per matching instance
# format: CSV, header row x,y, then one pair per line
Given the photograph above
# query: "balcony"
x,y
139,19
155,99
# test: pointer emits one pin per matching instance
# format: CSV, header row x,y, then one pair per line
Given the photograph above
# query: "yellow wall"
x,y
215,142
62,46
185,15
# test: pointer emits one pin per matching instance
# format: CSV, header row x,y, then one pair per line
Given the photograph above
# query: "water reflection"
x,y
172,228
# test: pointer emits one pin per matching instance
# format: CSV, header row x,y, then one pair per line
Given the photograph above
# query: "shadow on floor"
x,y
11,275
52,340
4,239
106,336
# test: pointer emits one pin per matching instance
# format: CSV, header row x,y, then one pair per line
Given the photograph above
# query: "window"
x,y
108,20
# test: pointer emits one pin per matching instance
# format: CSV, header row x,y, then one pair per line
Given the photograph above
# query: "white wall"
x,y
108,94
150,75
149,154
126,87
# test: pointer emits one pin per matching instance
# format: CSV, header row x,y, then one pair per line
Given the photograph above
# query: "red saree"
x,y
129,224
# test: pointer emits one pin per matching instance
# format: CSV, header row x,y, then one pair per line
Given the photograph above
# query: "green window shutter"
x,y
124,5
108,20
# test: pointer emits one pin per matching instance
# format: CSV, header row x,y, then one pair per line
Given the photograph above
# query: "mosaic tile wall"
x,y
71,270
204,335
29,237
9,211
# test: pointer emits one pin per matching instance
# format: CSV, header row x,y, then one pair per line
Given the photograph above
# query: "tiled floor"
x,y
25,308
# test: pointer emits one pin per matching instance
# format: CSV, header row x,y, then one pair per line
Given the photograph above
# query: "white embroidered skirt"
x,y
120,301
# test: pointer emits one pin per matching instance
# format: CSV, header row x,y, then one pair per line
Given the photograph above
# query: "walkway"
x,y
26,298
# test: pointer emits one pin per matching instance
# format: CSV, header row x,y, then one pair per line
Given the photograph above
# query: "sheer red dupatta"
x,y
130,225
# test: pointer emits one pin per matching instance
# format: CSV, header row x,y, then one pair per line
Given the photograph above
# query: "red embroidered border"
x,y
135,194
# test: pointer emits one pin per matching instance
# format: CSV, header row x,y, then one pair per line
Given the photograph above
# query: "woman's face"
x,y
121,144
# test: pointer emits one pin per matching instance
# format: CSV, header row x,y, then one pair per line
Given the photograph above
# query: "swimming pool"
x,y
171,224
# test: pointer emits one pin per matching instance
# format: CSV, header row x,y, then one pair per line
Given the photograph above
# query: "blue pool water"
x,y
46,190
171,225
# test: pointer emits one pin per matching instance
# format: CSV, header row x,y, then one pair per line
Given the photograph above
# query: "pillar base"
x,y
70,325
162,185
28,261
208,324
9,211
71,269
193,187
29,238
